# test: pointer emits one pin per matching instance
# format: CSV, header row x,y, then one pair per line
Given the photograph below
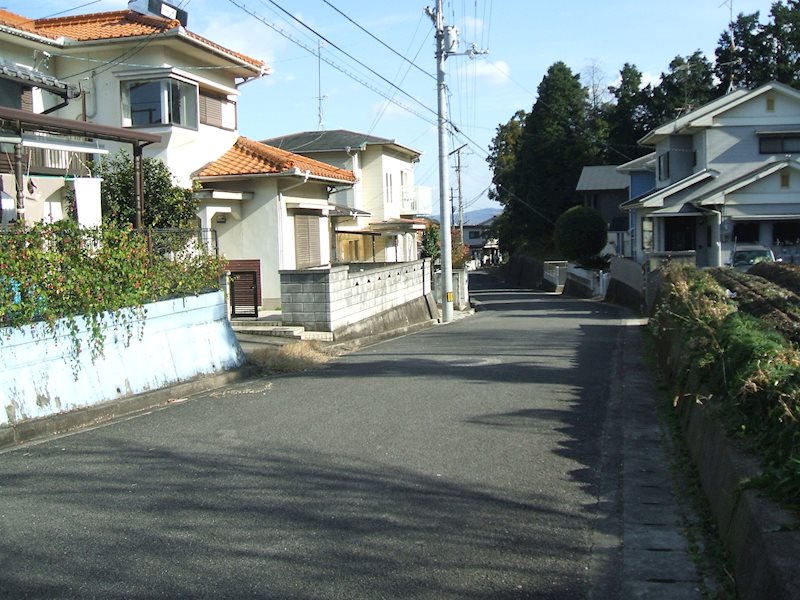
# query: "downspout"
x,y
18,175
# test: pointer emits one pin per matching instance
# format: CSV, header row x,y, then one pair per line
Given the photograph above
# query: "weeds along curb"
x,y
760,536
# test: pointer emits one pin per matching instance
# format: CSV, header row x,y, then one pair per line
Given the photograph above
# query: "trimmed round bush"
x,y
580,233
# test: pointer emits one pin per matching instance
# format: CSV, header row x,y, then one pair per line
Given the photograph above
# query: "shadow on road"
x,y
136,522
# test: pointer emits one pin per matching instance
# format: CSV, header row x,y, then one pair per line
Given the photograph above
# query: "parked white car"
x,y
746,255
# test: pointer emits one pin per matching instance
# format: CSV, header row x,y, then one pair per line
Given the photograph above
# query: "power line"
x,y
336,66
380,41
379,116
351,57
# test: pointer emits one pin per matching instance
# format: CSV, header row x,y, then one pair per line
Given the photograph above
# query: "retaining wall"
x,y
627,283
180,339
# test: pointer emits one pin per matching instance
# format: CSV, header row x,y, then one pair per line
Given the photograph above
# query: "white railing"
x,y
555,271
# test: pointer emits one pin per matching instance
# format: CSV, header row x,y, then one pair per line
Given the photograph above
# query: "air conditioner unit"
x,y
159,9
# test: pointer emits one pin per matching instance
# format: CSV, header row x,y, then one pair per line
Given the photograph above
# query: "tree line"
x,y
537,156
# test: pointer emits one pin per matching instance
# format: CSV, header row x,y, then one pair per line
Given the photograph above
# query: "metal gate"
x,y
244,294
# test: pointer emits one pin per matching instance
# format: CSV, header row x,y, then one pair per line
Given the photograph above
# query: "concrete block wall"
x,y
332,298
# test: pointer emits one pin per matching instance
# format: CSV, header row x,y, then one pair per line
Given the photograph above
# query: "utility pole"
x,y
446,45
457,152
444,185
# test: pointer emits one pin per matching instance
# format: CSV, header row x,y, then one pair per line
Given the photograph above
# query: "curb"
x,y
26,431
761,536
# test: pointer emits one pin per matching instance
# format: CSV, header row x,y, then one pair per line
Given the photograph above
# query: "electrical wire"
x,y
385,106
380,41
351,57
336,66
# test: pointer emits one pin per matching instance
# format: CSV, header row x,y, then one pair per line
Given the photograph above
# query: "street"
x,y
471,460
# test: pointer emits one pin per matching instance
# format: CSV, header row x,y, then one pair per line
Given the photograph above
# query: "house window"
x,y
770,103
474,235
779,144
155,102
663,166
389,190
217,111
785,180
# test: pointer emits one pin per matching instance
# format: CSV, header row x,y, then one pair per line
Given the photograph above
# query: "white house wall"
x,y
754,112
348,196
182,149
254,237
372,183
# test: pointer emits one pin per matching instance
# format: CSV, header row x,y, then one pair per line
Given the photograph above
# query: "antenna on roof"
x,y
320,97
732,41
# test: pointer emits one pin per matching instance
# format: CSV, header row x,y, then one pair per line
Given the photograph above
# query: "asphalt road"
x,y
471,460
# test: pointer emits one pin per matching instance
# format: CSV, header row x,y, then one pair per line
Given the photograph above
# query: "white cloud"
x,y
491,72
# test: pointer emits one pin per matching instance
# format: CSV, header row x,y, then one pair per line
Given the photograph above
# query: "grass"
x,y
707,551
294,357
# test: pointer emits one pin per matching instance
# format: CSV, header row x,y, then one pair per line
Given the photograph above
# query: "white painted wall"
x,y
182,338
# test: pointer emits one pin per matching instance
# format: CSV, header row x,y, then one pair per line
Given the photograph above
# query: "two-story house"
x,y
374,220
604,188
726,173
142,69
483,249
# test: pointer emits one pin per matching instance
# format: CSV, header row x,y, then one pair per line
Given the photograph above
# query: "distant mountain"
x,y
474,217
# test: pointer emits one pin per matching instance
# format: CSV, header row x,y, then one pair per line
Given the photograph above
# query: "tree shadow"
x,y
123,520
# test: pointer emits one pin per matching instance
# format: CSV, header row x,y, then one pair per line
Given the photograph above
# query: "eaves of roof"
x,y
657,197
123,25
36,78
703,116
334,140
717,194
643,163
248,158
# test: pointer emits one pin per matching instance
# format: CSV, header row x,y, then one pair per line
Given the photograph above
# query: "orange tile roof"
x,y
110,26
16,21
248,157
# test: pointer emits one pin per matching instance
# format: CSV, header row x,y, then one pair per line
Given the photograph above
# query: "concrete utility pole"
x,y
457,152
446,45
444,185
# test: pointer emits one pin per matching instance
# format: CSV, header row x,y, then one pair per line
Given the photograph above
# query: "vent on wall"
x,y
159,9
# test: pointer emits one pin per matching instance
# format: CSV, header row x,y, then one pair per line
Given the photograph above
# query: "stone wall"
x,y
334,298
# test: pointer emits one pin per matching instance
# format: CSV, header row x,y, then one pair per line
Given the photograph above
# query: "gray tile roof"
x,y
604,177
327,141
9,70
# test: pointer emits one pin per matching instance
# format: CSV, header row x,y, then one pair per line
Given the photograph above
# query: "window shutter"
x,y
210,110
306,241
27,99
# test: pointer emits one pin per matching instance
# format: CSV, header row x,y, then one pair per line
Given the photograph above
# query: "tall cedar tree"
x,y
556,144
688,85
503,159
752,53
626,117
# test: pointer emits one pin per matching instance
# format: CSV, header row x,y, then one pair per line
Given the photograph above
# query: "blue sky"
x,y
522,37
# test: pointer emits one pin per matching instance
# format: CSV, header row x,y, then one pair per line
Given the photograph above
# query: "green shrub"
x,y
580,233
750,374
90,276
